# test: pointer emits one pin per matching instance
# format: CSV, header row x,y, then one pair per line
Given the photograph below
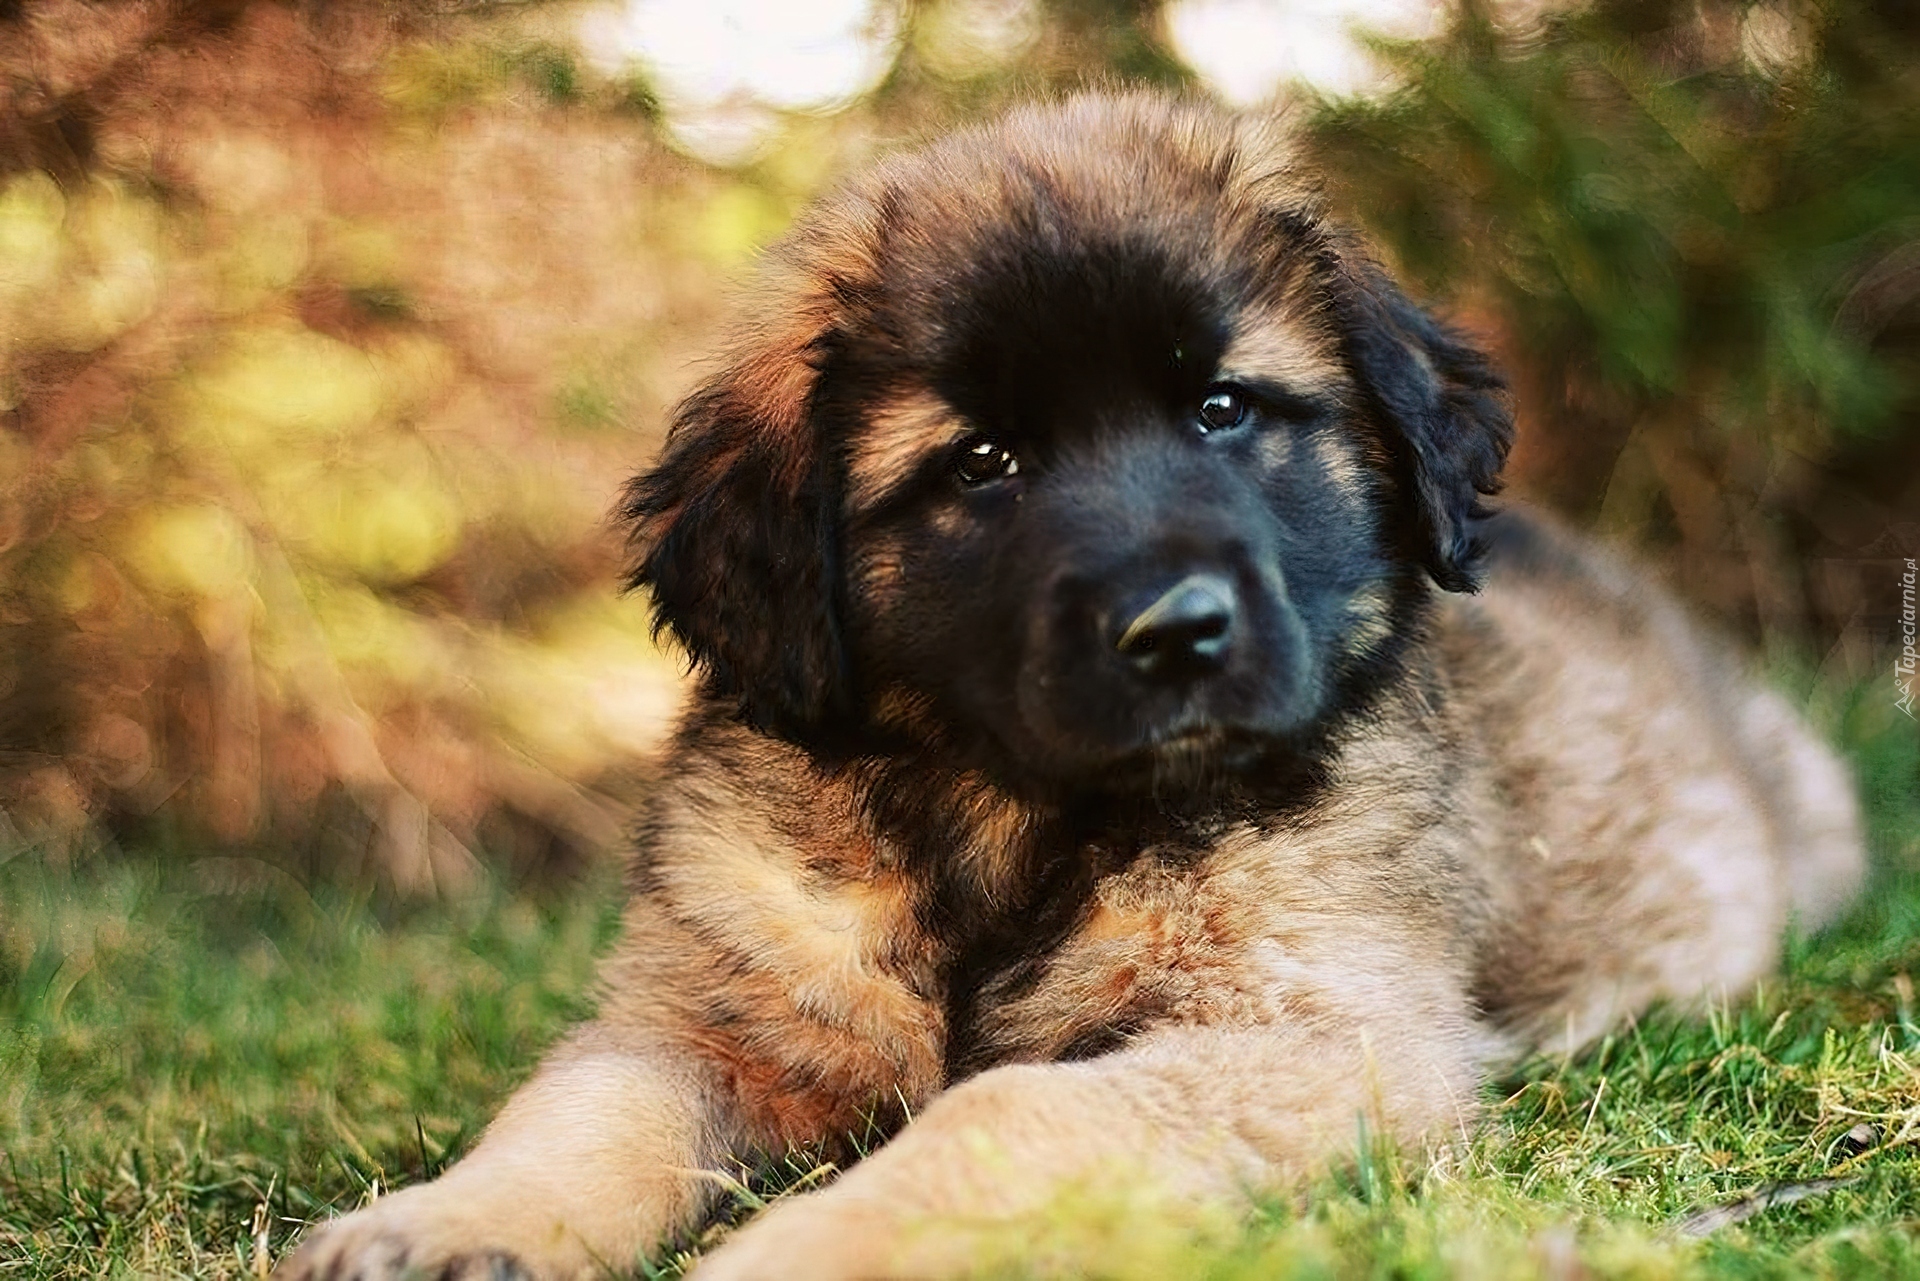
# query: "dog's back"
x,y
1665,815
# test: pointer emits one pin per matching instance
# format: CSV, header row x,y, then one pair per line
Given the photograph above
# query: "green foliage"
x,y
960,58
434,76
1682,224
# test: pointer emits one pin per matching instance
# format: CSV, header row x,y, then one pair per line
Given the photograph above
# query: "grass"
x,y
198,1057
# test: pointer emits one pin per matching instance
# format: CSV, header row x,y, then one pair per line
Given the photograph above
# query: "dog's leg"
x,y
598,1158
1199,1115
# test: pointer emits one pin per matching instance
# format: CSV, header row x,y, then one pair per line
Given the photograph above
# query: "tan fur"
x,y
1290,348
895,441
1571,806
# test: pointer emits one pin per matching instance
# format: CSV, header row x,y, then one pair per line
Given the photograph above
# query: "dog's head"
x,y
1078,444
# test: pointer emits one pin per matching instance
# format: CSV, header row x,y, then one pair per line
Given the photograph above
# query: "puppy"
x,y
1101,754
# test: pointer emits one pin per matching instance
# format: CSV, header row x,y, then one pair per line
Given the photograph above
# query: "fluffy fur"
x,y
1100,752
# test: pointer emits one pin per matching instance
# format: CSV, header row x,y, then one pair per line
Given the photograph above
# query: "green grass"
x,y
199,1057
185,1043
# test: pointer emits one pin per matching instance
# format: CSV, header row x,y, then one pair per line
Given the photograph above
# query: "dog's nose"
x,y
1186,632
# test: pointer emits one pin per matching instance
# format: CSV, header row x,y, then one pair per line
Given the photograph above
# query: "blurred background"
x,y
329,330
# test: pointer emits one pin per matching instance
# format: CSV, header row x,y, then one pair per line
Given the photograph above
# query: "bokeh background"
x,y
328,331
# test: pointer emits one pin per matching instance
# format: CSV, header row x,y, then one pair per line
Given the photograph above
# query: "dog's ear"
x,y
1446,406
734,533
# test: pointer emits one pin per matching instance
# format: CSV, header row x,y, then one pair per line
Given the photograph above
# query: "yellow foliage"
x,y
281,494
266,253
197,550
360,254
406,656
386,519
273,385
31,243
116,237
738,221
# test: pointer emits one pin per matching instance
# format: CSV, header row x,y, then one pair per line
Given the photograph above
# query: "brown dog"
x,y
1100,758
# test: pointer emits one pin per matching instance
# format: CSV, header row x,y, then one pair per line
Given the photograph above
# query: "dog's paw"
x,y
346,1255
821,1237
410,1236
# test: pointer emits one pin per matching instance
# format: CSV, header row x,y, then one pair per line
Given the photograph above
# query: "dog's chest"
x,y
875,1002
1167,938
843,973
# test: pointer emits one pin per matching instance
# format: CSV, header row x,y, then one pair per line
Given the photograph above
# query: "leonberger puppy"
x,y
1129,757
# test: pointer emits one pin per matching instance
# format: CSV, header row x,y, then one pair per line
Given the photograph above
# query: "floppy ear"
x,y
734,533
1447,406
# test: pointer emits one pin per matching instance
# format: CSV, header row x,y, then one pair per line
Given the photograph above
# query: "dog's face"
x,y
1104,499
1077,446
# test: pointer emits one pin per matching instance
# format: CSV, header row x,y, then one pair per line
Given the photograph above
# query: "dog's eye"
x,y
980,461
1221,410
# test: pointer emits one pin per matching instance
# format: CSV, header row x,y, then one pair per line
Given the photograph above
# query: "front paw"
x,y
342,1252
832,1236
802,1238
419,1235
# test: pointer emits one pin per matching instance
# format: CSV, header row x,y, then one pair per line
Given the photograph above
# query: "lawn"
x,y
201,1056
